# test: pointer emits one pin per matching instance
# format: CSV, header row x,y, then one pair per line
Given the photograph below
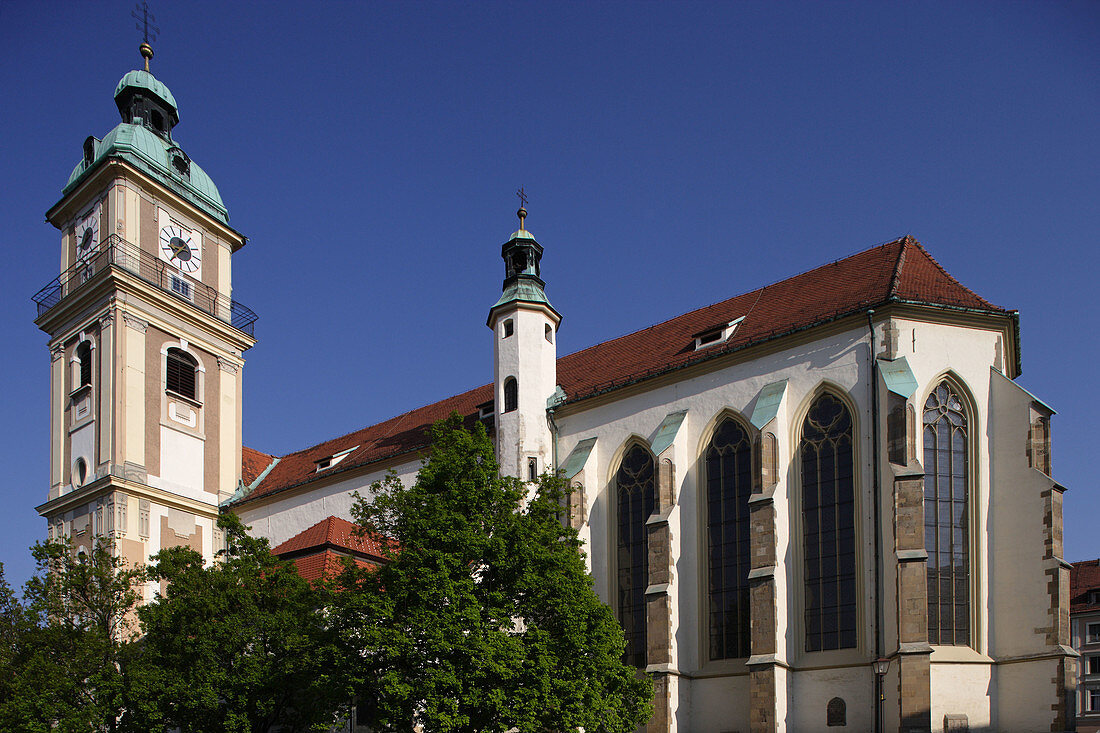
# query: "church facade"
x,y
824,503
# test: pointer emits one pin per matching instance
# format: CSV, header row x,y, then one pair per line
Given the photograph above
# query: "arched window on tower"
x,y
635,498
729,485
84,361
946,525
181,373
511,394
828,526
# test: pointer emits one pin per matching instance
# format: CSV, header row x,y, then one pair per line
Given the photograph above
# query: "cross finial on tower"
x,y
522,213
145,25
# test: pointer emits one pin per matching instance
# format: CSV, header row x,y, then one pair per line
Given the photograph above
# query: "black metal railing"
x,y
117,252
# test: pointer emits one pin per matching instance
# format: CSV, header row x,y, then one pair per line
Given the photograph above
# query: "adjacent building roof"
x,y
1084,577
319,551
253,463
900,271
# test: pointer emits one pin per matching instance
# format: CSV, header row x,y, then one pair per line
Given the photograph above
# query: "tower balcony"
x,y
117,252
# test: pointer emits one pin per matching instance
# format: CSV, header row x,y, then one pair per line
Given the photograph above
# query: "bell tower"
x,y
146,342
525,334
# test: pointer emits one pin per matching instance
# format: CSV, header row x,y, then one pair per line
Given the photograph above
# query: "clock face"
x,y
87,235
180,248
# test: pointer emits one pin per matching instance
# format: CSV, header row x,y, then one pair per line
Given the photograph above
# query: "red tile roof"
x,y
331,533
896,271
1084,576
325,564
253,463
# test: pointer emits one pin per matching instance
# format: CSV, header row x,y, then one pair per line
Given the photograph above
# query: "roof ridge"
x,y
895,279
382,422
773,283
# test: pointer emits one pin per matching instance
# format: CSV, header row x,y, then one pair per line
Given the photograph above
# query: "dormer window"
x,y
717,334
485,410
329,461
89,151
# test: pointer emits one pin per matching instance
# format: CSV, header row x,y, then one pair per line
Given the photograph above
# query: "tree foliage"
x,y
239,646
65,648
485,619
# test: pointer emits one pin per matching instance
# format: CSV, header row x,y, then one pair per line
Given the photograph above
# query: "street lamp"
x,y
880,666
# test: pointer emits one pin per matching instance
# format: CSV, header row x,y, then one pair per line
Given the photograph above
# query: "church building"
x,y
823,504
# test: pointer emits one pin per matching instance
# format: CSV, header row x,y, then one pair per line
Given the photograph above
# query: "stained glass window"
x,y
828,521
946,521
729,485
635,487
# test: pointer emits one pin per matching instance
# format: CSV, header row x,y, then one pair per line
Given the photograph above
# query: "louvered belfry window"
x,y
828,523
946,525
84,356
729,485
635,487
180,377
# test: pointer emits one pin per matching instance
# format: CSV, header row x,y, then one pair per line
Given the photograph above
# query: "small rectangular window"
x,y
508,328
181,287
532,469
1094,701
1093,666
1092,634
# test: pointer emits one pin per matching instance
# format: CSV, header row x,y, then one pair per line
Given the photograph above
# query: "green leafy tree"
x,y
239,646
485,619
66,649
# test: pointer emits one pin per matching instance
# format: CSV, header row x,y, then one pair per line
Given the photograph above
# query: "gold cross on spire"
x,y
145,25
522,213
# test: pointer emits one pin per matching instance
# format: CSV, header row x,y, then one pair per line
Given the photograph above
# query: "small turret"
x,y
525,329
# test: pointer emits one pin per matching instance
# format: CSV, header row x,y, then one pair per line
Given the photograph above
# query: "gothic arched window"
x,y
946,503
511,394
729,485
828,524
635,496
180,374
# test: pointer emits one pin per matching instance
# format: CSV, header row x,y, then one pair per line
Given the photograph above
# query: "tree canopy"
x,y
485,619
240,646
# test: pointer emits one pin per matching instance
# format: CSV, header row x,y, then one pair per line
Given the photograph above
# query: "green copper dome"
x,y
155,156
143,80
144,140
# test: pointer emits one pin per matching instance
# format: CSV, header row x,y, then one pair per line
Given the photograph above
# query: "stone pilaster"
x,y
762,592
1058,633
914,652
659,662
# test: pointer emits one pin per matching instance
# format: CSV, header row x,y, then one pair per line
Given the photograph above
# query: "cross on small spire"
x,y
145,25
522,213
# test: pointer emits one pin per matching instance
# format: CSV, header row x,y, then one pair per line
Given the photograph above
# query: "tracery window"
x,y
828,522
946,525
729,485
180,375
635,494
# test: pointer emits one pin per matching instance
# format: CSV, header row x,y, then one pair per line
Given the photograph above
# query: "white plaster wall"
x,y
720,704
811,691
1023,695
1016,523
82,445
280,520
532,360
965,689
181,464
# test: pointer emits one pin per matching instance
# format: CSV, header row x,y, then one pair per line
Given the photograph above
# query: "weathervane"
x,y
143,25
522,213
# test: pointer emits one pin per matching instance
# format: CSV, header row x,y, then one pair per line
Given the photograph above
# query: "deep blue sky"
x,y
675,154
